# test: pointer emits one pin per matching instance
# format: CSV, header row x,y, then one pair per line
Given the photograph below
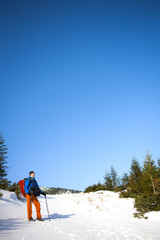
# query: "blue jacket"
x,y
29,183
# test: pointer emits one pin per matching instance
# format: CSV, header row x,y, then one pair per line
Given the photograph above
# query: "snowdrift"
x,y
90,216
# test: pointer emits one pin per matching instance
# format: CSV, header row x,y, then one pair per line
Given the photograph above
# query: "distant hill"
x,y
58,190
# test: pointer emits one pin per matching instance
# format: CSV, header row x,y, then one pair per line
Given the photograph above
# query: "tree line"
x,y
141,183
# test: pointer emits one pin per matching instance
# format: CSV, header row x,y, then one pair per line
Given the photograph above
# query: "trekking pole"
x,y
29,213
47,209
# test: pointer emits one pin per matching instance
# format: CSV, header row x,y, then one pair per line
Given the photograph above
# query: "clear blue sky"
x,y
79,87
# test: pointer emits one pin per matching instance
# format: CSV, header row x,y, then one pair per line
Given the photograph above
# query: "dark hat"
x,y
31,172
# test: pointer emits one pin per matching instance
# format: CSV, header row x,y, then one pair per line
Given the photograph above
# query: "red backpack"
x,y
22,184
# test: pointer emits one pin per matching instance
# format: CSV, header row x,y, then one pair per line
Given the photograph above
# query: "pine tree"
x,y
150,175
111,179
124,186
135,178
108,181
149,197
125,181
4,183
114,177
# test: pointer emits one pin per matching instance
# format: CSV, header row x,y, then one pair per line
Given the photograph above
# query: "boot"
x,y
40,219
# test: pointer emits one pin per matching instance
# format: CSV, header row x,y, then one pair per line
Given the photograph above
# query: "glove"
x,y
44,194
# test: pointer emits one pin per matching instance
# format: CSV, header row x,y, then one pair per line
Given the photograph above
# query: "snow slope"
x,y
93,216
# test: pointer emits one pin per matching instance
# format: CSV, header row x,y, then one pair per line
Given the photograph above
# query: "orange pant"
x,y
36,203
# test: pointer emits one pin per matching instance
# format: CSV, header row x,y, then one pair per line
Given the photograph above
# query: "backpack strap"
x,y
29,181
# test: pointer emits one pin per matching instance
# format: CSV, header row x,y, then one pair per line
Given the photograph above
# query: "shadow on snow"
x,y
59,216
10,224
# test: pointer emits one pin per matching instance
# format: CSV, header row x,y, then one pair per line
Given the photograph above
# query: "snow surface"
x,y
89,216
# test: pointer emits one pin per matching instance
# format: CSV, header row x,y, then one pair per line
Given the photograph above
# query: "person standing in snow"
x,y
32,191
